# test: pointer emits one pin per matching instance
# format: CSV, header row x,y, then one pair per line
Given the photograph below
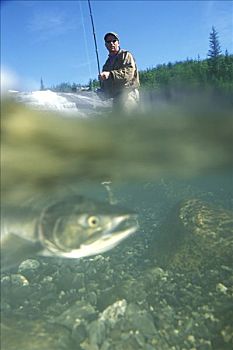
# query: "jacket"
x,y
124,74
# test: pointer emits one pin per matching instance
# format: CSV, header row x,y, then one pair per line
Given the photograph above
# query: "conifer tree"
x,y
215,48
41,85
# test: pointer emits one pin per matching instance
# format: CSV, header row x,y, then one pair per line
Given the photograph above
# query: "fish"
x,y
72,227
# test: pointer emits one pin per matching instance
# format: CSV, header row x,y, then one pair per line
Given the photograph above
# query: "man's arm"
x,y
126,73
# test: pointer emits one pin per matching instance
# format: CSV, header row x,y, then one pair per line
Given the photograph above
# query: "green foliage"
x,y
66,87
208,73
215,48
74,87
93,84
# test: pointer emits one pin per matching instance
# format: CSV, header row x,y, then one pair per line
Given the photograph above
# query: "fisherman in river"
x,y
119,77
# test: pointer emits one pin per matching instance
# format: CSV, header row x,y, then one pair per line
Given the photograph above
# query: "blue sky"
x,y
53,39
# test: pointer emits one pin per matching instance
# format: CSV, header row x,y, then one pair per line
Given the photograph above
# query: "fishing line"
x,y
86,50
93,29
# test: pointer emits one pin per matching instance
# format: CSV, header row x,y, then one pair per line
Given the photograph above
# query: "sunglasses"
x,y
111,41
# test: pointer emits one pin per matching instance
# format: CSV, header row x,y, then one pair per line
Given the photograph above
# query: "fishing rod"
x,y
93,28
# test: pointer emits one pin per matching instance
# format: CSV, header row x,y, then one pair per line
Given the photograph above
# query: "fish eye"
x,y
93,221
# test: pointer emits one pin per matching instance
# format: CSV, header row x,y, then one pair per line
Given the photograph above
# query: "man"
x,y
119,77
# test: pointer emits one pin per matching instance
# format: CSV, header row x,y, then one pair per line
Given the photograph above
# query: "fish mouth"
x,y
123,225
121,228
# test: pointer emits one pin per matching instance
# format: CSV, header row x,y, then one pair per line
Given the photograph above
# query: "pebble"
x,y
221,288
113,312
29,267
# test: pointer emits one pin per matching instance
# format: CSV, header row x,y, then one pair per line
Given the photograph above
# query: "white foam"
x,y
82,103
48,100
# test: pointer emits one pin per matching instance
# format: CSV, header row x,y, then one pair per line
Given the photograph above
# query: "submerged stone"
x,y
29,267
140,320
114,312
37,335
77,313
194,235
97,332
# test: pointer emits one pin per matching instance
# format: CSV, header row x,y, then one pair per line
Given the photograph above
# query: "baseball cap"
x,y
113,34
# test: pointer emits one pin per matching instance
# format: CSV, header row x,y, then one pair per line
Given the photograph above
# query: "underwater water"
x,y
168,285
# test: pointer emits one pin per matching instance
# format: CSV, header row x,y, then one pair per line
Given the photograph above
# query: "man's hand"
x,y
104,75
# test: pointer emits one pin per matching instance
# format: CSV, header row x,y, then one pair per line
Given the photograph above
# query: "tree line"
x,y
216,72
